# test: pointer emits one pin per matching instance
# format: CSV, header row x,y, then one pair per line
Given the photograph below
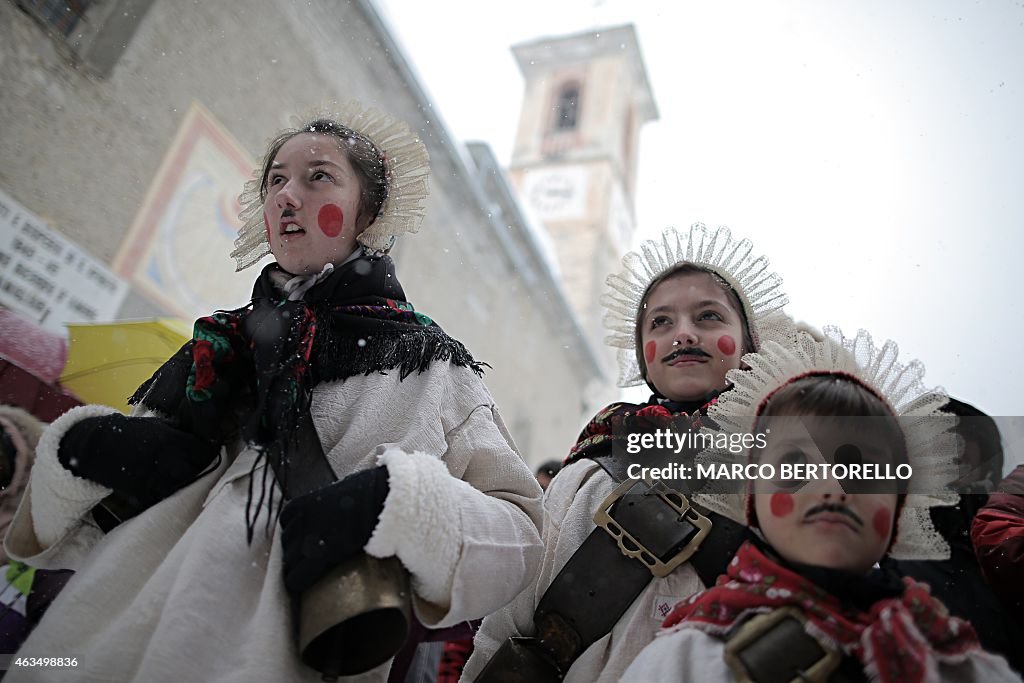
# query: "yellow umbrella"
x,y
108,361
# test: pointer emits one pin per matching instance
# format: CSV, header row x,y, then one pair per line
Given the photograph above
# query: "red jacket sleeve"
x,y
453,660
998,537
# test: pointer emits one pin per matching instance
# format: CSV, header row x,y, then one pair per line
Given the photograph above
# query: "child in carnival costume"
x,y
328,375
682,311
802,601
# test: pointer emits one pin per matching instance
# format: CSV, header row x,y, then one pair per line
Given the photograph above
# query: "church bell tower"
x,y
575,155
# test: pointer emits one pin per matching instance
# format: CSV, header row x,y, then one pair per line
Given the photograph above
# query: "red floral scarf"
x,y
599,433
893,637
252,370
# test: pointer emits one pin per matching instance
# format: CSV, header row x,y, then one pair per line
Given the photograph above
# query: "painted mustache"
x,y
293,226
834,508
686,351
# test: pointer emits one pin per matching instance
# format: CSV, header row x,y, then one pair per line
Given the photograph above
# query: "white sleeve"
x,y
51,528
688,655
978,667
469,537
516,619
683,656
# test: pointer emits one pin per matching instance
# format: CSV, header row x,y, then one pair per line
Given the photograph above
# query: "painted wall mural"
x,y
177,251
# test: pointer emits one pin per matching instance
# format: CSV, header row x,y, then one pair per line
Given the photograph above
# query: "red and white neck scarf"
x,y
892,638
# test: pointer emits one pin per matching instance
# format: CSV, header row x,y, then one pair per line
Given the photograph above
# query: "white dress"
x,y
177,594
569,506
688,655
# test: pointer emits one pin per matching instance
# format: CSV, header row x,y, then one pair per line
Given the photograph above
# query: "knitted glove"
x,y
143,459
320,530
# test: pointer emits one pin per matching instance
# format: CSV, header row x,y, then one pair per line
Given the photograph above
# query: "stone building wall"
x,y
81,152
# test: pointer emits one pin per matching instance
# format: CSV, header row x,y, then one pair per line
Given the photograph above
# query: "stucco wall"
x,y
81,152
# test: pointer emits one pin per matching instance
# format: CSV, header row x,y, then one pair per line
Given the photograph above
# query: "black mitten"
x,y
322,529
143,459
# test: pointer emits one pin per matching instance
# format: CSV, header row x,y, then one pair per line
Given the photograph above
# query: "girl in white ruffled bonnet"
x,y
328,391
682,312
802,601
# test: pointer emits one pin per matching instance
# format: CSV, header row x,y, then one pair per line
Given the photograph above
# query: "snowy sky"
x,y
872,149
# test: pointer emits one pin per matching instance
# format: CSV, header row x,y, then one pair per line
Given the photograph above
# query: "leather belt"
x,y
599,582
645,529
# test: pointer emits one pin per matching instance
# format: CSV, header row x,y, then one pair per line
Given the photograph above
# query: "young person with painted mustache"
x,y
804,599
682,311
328,390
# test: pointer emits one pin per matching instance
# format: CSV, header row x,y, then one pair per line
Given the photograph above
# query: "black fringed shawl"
x,y
252,370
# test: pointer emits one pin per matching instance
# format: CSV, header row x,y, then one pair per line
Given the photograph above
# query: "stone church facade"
x,y
128,136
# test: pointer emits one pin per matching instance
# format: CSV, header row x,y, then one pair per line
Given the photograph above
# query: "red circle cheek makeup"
x,y
649,350
330,219
727,345
781,504
882,522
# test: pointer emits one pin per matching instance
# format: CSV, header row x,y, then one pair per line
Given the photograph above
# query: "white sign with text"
x,y
47,277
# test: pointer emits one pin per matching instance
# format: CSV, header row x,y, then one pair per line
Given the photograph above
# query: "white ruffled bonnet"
x,y
932,445
406,172
758,288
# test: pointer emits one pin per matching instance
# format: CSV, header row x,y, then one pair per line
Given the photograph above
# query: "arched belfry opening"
x,y
567,107
575,156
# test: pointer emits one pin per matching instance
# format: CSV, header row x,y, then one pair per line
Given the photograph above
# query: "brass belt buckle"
x,y
631,546
780,637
